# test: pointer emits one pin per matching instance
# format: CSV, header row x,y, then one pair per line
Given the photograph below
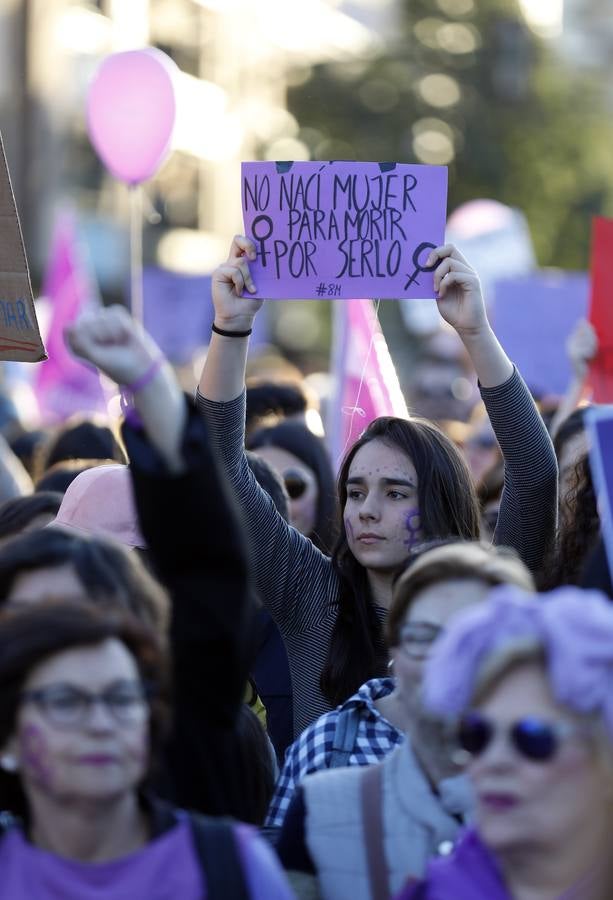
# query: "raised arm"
x,y
292,577
527,519
223,375
196,542
112,341
460,302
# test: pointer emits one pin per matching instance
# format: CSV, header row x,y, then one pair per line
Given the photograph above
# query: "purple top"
x,y
166,869
470,873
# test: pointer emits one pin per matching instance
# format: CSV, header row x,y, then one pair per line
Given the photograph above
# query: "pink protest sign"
x,y
343,229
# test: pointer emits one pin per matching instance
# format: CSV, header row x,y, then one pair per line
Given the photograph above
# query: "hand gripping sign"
x,y
343,229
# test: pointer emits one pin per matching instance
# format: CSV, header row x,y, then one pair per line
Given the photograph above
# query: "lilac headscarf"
x,y
574,628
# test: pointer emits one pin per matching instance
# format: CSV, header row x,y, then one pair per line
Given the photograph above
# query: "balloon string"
x,y
136,252
355,409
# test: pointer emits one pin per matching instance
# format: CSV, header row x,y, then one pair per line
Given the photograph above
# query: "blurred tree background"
x,y
466,83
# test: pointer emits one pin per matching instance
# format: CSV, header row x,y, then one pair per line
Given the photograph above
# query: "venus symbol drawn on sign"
x,y
425,245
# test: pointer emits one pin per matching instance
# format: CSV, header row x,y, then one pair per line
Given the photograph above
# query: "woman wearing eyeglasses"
x,y
413,803
82,712
528,681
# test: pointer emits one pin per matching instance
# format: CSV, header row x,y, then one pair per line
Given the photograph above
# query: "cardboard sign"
x,y
339,230
599,422
19,334
601,309
532,317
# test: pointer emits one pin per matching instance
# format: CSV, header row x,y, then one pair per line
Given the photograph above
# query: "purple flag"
x,y
533,316
63,385
343,229
178,313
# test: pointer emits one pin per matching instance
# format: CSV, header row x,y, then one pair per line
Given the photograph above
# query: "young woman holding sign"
x,y
403,482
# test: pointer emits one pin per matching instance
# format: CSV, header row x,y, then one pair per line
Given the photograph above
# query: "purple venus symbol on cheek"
x,y
34,755
413,526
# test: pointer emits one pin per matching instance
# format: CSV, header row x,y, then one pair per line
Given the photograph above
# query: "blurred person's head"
x,y
59,563
439,390
26,444
21,514
80,438
439,581
100,501
272,399
480,446
269,479
61,474
57,748
442,384
531,679
302,461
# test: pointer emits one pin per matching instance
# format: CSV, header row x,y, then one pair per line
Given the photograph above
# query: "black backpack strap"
x,y
217,851
344,737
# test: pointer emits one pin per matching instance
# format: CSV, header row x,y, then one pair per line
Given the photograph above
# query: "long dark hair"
x,y
18,513
294,437
578,536
448,507
110,574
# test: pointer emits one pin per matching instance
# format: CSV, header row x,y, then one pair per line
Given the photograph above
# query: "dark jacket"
x,y
195,540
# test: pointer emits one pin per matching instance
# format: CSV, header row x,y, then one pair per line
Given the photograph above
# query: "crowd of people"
x,y
221,676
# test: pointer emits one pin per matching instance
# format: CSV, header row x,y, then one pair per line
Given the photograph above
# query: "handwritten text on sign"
x,y
343,229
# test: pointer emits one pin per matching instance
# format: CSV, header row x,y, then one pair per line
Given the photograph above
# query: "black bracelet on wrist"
x,y
224,333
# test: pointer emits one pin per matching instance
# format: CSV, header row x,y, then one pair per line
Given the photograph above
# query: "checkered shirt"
x,y
310,752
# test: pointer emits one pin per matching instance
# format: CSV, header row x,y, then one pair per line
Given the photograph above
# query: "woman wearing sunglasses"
x,y
528,681
401,483
83,709
302,461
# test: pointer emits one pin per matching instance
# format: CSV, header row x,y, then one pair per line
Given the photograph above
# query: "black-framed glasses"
x,y
67,706
295,483
534,738
416,638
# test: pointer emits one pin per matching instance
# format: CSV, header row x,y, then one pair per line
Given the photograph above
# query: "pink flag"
x,y
63,385
366,383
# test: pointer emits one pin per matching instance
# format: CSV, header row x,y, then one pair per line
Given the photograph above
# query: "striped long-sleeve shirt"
x,y
297,583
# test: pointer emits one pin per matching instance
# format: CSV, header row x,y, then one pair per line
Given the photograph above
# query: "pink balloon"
x,y
131,111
